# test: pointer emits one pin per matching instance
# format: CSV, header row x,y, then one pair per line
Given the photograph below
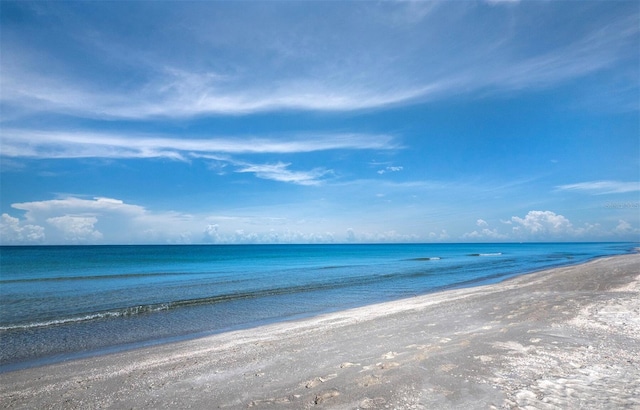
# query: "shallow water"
x,y
60,302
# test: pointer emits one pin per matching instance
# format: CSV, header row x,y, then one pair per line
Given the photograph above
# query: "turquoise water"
x,y
59,302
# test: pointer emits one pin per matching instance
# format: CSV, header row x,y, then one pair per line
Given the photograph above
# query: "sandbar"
x,y
562,338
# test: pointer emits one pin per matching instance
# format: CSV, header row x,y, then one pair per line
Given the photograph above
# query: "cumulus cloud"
x,y
544,226
73,205
543,223
76,228
547,225
485,233
625,228
14,231
75,220
106,220
211,234
443,235
387,236
81,220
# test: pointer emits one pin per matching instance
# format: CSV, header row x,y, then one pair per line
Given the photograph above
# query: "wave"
x,y
486,254
129,311
329,267
90,277
210,300
424,259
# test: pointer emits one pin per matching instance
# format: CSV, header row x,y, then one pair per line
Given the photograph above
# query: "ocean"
x,y
63,302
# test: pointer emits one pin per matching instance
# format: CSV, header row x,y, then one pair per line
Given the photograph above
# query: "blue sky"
x,y
306,122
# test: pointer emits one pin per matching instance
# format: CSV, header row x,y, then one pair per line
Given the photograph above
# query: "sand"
x,y
565,338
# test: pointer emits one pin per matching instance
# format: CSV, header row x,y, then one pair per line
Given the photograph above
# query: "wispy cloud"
x,y
384,65
281,172
92,144
390,169
501,1
57,145
602,187
161,98
594,52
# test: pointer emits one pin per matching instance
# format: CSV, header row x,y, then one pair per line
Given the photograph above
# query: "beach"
x,y
562,338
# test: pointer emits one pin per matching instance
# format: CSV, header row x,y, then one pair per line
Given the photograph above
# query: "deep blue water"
x,y
60,302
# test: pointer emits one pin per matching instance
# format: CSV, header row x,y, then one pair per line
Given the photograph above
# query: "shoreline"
x,y
476,347
152,342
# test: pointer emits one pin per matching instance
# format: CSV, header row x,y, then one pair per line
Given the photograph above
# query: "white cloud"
x,y
548,226
543,223
485,233
41,144
77,206
602,187
388,236
92,144
351,235
79,220
160,99
280,172
77,228
213,234
105,220
625,228
407,12
502,1
14,231
390,169
309,66
443,235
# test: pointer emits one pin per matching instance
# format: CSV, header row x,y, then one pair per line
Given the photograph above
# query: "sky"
x,y
319,122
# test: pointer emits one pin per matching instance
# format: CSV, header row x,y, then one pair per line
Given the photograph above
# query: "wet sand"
x,y
565,338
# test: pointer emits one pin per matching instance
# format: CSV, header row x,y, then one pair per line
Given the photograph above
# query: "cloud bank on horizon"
x,y
307,122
